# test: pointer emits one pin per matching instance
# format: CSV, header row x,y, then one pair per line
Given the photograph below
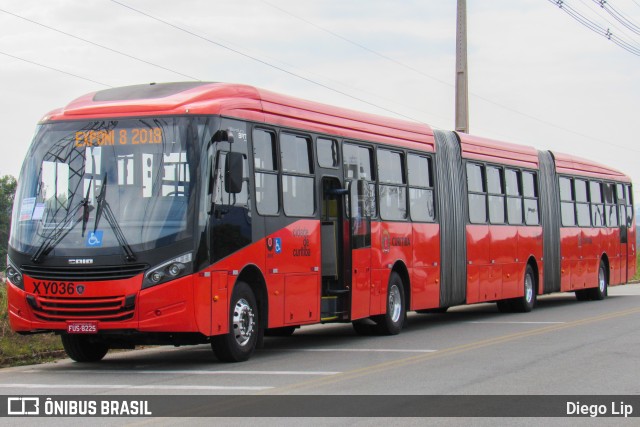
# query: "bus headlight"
x,y
14,275
169,270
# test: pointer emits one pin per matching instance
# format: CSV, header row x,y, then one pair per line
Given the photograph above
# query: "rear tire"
x,y
391,322
239,343
602,290
81,349
526,303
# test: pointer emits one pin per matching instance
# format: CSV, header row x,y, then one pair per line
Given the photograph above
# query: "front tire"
x,y
240,342
81,349
392,321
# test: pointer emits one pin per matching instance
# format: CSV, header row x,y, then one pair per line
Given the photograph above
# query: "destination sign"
x,y
133,136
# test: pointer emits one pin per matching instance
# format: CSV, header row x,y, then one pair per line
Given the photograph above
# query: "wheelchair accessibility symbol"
x,y
94,239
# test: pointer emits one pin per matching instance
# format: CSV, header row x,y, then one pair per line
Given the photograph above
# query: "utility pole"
x,y
462,82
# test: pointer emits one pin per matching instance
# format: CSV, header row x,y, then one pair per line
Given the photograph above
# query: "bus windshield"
x,y
106,185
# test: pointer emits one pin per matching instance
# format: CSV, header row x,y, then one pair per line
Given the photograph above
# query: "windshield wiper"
x,y
63,228
103,206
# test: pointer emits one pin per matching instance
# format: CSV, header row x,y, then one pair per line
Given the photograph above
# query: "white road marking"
x,y
136,387
524,323
175,372
363,350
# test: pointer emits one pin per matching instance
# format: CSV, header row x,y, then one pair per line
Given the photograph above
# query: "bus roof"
x,y
573,165
488,150
263,106
245,102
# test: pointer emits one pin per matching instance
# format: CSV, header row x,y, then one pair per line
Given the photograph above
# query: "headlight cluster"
x,y
168,270
14,275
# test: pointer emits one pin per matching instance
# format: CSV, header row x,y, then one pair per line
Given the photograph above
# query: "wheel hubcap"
x,y
243,322
528,288
395,303
602,282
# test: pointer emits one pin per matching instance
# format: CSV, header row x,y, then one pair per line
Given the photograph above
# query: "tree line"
x,y
7,194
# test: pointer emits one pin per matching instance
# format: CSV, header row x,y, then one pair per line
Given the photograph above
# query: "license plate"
x,y
82,327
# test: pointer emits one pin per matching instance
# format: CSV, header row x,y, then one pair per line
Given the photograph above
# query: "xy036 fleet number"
x,y
56,288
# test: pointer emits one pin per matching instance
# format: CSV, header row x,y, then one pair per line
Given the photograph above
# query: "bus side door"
x,y
624,233
360,236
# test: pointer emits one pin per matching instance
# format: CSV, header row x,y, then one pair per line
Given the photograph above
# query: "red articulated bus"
x,y
187,213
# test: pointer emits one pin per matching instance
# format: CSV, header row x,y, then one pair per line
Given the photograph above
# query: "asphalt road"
x,y
562,347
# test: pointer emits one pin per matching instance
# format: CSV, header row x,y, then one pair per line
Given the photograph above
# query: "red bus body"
x,y
294,281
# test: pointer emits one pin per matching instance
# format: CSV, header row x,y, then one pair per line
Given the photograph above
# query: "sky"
x,y
536,76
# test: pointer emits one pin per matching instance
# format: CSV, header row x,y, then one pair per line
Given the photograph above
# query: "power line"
x,y
280,69
268,64
148,62
359,45
596,27
400,63
98,45
54,69
618,16
595,10
344,93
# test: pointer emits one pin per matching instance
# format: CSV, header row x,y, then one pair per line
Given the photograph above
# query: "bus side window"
x,y
566,202
582,203
421,188
496,195
266,172
530,192
611,209
514,196
327,150
597,206
298,190
477,193
393,195
357,163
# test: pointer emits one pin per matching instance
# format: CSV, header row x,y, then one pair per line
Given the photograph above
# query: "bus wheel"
x,y
391,322
525,303
601,291
238,345
81,349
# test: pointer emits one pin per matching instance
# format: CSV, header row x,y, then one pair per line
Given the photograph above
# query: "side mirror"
x,y
233,172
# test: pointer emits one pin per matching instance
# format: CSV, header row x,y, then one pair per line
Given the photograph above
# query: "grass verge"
x,y
18,349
